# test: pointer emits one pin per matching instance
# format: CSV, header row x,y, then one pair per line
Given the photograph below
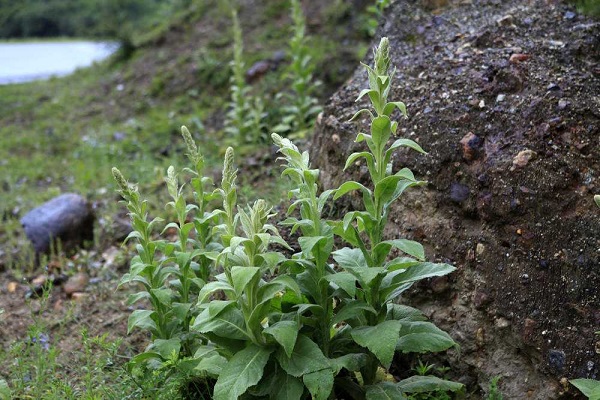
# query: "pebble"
x,y
459,192
480,249
518,57
76,283
556,359
471,144
500,98
79,296
523,158
12,287
501,323
562,104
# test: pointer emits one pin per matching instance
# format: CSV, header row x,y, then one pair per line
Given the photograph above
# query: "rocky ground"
x,y
504,97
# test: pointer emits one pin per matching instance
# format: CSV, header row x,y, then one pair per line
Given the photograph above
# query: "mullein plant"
x,y
300,113
239,127
228,305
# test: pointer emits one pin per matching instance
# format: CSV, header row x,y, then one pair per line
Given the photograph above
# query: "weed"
x,y
227,304
300,114
494,392
241,128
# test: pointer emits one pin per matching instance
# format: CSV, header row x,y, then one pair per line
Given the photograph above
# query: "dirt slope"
x,y
504,97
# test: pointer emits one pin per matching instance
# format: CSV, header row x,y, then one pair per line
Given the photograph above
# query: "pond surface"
x,y
24,62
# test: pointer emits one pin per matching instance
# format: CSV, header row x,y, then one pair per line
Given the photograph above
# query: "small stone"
x,y
459,192
76,283
480,336
39,280
524,278
570,15
543,264
529,327
562,104
501,323
500,98
518,57
481,104
471,144
523,158
556,359
257,70
79,296
12,287
480,249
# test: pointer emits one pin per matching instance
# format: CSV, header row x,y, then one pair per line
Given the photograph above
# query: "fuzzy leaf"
x,y
242,371
381,130
406,143
348,187
422,337
166,347
389,108
350,362
345,280
285,333
287,387
319,383
141,319
352,310
306,358
379,339
228,324
241,276
409,247
384,391
355,156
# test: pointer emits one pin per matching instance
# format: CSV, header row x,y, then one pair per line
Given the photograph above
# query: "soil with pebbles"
x,y
504,97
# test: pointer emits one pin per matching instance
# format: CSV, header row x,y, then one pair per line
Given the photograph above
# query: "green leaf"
x,y
355,156
354,309
379,339
228,324
345,280
359,112
212,287
306,358
350,362
409,247
427,383
597,199
406,143
211,365
589,387
365,91
348,187
285,333
287,387
164,296
319,383
241,276
401,312
308,243
389,108
415,273
242,371
166,347
384,391
422,337
141,319
353,261
381,130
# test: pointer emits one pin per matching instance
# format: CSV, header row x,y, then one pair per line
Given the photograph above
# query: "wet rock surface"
x,y
68,218
504,97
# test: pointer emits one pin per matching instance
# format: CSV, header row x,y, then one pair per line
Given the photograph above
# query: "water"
x,y
24,62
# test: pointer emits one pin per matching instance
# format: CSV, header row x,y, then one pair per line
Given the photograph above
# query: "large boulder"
x,y
504,97
67,218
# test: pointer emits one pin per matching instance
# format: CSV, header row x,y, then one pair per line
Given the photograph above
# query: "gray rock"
x,y
67,218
